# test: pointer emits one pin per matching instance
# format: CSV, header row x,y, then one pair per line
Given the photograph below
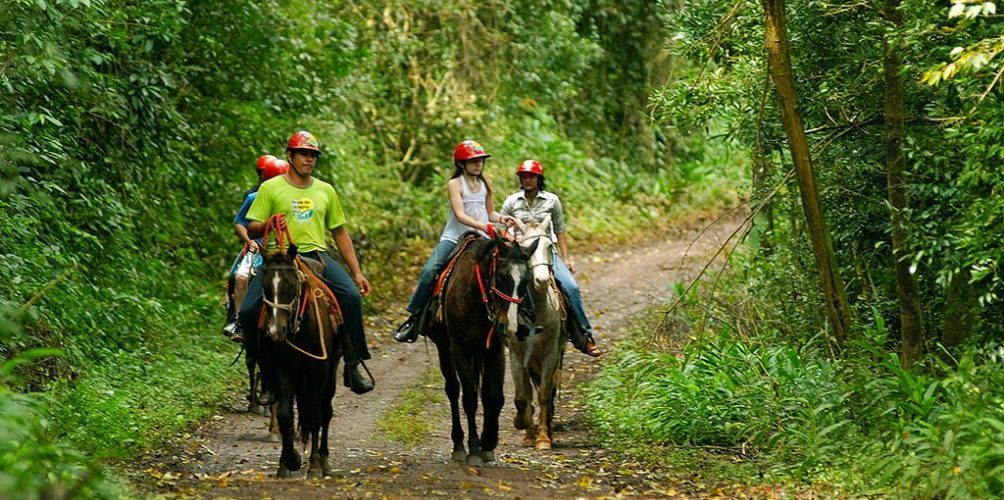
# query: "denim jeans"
x,y
430,271
345,290
571,289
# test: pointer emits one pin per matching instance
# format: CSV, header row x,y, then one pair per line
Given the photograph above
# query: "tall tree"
x,y
911,322
779,64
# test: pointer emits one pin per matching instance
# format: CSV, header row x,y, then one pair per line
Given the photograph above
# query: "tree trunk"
x,y
959,307
911,320
837,309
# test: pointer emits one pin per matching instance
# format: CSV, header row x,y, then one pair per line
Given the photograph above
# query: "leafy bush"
x,y
864,423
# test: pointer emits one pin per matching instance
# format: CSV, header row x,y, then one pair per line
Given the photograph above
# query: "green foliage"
x,y
864,423
128,132
34,461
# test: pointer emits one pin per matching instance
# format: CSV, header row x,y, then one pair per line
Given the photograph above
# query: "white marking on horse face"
x,y
516,273
273,326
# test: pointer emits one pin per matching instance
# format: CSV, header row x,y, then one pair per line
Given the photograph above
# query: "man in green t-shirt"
x,y
312,210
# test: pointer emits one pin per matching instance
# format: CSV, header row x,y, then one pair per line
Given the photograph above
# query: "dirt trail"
x,y
231,455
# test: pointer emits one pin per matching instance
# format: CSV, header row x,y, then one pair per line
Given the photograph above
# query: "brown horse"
x,y
299,356
488,278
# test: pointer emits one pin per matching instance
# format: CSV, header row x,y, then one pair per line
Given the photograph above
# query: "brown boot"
x,y
589,346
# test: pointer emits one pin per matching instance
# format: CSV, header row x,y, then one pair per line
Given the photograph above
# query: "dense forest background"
x,y
129,131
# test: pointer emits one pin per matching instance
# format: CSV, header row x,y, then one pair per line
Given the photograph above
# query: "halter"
x,y
296,307
492,307
538,237
307,281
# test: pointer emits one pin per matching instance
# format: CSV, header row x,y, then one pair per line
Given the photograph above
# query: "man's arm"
x,y
348,252
256,228
242,233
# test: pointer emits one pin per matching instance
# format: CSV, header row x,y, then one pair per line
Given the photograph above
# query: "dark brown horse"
x,y
299,357
479,304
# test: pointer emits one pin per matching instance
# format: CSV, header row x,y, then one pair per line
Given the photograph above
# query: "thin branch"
x,y
748,220
48,286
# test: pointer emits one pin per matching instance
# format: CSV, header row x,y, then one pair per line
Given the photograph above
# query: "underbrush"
x,y
797,414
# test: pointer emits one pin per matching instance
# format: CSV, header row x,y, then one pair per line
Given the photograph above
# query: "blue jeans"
x,y
430,271
349,299
571,289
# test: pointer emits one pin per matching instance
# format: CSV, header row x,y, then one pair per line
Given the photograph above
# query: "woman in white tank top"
x,y
471,208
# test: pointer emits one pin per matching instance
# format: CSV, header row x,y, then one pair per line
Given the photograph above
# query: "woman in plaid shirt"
x,y
532,204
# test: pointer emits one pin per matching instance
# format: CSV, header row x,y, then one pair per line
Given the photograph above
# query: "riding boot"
x,y
408,331
355,380
581,338
352,377
526,318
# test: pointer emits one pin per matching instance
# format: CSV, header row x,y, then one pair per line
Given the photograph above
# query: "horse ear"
x,y
291,251
533,247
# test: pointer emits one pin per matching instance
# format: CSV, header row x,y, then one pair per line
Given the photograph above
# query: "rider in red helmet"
x,y
267,167
471,208
532,203
313,211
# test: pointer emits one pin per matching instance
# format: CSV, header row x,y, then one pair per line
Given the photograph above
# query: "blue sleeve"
x,y
241,217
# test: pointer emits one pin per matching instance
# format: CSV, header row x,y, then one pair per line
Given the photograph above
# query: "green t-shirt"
x,y
311,212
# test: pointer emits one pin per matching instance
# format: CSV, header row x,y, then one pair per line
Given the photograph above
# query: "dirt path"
x,y
231,455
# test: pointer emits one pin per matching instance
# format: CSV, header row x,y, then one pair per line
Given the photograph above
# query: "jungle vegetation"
x,y
853,339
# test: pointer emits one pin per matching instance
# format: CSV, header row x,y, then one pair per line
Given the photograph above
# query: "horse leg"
x,y
524,391
545,399
326,412
273,423
319,416
492,399
289,459
452,388
469,384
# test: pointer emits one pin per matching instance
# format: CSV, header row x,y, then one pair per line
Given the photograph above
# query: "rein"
x,y
491,307
310,283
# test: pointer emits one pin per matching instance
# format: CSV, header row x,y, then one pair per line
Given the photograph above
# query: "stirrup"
x,y
355,380
408,331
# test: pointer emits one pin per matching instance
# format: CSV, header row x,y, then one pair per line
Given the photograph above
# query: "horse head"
x,y
282,286
535,239
509,282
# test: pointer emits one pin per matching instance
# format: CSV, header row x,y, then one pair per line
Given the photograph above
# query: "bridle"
x,y
296,307
547,258
492,306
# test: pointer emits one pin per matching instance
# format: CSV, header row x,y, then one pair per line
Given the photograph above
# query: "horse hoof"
x,y
292,462
314,473
474,460
459,455
282,473
488,456
543,445
528,441
520,423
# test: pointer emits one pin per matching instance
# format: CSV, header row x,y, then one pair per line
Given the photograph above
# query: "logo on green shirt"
x,y
302,209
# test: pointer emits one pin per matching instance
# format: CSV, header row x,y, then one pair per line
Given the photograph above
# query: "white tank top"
x,y
474,207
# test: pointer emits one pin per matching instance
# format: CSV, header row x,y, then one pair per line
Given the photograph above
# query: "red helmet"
x,y
274,168
469,150
530,167
303,140
264,160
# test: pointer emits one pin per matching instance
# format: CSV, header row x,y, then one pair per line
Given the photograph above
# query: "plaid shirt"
x,y
545,203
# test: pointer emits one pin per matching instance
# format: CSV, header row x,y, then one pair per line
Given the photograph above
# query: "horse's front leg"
x,y
289,459
469,385
492,398
524,391
452,388
319,451
550,375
